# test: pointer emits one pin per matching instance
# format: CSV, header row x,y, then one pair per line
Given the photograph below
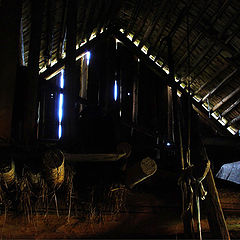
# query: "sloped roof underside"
x,y
205,38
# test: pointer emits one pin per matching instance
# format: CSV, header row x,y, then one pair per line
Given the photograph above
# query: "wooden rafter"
x,y
176,25
197,106
193,25
103,12
233,121
219,71
151,27
49,30
89,8
79,51
224,100
230,108
201,35
134,16
226,79
96,13
140,27
112,13
159,40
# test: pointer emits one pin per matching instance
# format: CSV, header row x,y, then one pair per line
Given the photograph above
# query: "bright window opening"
x,y
60,105
115,90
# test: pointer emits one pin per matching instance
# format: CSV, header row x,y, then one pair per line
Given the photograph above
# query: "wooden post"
x,y
10,15
135,94
215,214
70,90
30,111
106,60
170,93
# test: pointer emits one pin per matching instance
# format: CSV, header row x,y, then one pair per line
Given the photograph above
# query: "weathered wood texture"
x,y
10,13
216,217
71,80
30,111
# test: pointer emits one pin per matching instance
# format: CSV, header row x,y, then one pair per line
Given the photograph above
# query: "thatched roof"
x,y
211,27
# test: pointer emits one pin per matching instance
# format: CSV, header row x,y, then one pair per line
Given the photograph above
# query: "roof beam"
x,y
134,16
219,71
193,25
49,34
166,14
220,84
203,32
235,120
176,24
150,29
79,51
230,108
224,100
143,22
62,30
170,82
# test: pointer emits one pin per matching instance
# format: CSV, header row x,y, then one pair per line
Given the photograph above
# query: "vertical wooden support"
x,y
106,81
135,94
10,15
215,214
31,100
93,80
70,90
170,92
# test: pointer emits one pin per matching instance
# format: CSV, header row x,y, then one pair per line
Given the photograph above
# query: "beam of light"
x,y
115,90
60,115
60,109
88,54
59,131
62,79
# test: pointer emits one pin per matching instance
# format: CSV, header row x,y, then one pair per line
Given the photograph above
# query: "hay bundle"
x,y
140,171
53,162
7,172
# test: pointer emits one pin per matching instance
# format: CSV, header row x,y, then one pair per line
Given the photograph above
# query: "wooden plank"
x,y
225,99
227,78
215,215
108,157
233,121
30,111
229,109
10,15
70,73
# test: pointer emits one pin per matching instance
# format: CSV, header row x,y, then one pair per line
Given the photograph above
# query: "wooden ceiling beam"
x,y
205,52
224,100
62,30
134,16
170,82
86,19
159,40
49,30
233,121
176,25
215,54
140,27
199,37
79,51
193,25
230,108
113,13
219,71
226,79
151,27
95,12
103,12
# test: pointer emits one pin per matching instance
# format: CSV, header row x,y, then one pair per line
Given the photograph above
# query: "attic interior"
x,y
120,119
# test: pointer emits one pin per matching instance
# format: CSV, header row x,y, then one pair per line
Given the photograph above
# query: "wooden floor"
x,y
146,215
